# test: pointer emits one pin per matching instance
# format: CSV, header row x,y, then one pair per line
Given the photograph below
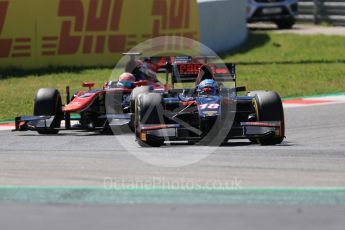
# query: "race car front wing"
x,y
35,123
176,132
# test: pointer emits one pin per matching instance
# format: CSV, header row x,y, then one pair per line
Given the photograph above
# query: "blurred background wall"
x,y
222,23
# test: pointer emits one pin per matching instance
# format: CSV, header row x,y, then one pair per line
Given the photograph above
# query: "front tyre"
x,y
134,95
148,111
48,103
269,107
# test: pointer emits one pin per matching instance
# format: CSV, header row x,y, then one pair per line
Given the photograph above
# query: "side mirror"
x,y
89,85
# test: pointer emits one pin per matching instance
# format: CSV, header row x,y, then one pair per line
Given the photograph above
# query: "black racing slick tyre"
x,y
48,103
269,107
149,110
134,95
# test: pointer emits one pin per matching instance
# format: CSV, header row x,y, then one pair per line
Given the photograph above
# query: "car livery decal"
x,y
208,106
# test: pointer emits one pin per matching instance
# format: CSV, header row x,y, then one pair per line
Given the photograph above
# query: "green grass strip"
x,y
6,121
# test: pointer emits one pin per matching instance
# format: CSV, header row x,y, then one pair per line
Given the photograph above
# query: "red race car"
x,y
95,109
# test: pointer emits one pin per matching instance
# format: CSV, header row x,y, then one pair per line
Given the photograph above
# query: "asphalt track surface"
x,y
312,156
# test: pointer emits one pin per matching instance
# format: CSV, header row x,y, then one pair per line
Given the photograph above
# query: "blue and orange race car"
x,y
203,107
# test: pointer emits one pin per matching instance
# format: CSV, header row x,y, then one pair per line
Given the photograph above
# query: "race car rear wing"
x,y
191,72
184,69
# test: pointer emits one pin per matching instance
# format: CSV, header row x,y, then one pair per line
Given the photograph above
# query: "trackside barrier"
x,y
317,11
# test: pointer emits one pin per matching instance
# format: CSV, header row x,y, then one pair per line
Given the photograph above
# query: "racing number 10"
x,y
209,106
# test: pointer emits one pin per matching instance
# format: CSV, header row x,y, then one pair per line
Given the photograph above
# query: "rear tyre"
x,y
285,23
48,103
269,107
149,110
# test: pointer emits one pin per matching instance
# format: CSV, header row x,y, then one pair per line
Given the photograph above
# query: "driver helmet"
x,y
208,87
126,80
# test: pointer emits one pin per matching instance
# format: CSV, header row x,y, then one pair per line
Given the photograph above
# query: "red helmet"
x,y
127,77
